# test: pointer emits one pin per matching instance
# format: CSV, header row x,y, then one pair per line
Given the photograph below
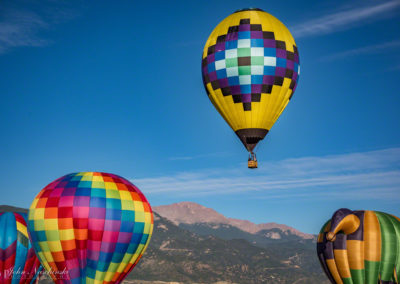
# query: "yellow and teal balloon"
x,y
360,247
18,261
90,227
250,68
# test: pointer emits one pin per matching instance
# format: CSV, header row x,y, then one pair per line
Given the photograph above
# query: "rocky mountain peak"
x,y
192,213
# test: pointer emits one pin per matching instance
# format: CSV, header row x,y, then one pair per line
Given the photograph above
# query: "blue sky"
x,y
116,87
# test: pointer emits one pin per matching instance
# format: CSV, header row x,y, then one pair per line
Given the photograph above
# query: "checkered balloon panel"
x,y
18,261
250,69
90,227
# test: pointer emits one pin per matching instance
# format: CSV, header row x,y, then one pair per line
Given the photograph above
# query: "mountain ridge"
x,y
179,255
191,213
9,208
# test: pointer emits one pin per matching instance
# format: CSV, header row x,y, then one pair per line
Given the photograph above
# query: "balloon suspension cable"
x,y
252,156
257,147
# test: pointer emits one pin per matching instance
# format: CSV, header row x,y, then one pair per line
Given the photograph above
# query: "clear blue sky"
x,y
116,87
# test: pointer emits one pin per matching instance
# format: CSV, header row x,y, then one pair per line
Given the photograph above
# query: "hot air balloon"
x,y
90,227
360,247
250,69
18,261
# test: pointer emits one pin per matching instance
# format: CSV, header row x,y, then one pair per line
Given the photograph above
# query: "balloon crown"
x,y
249,9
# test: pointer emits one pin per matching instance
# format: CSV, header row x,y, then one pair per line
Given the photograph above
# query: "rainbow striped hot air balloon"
x,y
90,227
357,247
18,261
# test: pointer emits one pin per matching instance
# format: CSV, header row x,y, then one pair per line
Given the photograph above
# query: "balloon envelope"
x,y
360,247
90,227
250,68
18,261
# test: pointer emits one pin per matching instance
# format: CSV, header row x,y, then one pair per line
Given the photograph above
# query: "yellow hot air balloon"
x,y
250,68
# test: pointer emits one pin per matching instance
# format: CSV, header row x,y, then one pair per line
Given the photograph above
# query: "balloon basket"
x,y
252,164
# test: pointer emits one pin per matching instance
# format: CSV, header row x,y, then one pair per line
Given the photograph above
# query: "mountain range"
x,y
210,248
190,213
